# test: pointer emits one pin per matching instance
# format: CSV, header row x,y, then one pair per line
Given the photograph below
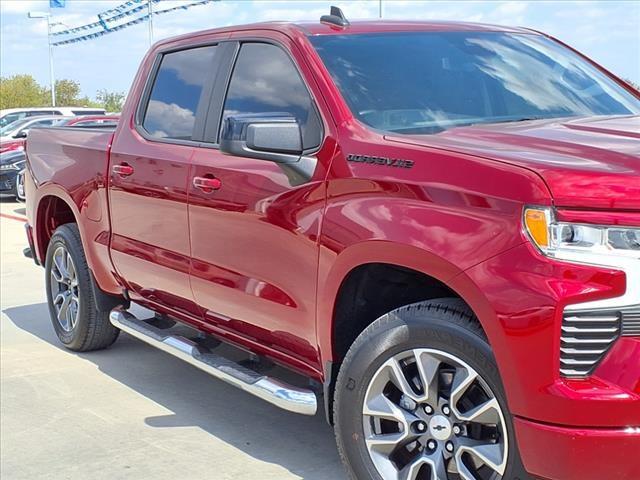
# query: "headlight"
x,y
577,242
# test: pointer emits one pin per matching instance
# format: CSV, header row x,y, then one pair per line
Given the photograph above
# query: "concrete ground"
x,y
130,411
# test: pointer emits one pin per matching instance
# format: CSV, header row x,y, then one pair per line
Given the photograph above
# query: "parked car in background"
x,y
13,144
91,121
13,135
10,115
16,132
11,164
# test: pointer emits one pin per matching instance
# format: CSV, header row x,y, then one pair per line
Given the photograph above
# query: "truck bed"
x,y
69,156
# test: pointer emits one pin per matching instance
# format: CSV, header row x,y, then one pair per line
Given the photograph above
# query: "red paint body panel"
x,y
71,165
150,244
260,261
591,163
585,454
607,217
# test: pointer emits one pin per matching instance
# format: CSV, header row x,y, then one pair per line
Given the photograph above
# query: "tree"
x,y
111,101
68,95
22,91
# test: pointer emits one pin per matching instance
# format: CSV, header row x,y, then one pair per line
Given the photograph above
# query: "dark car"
x,y
11,164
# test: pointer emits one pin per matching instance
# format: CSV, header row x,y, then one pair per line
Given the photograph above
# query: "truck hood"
x,y
587,162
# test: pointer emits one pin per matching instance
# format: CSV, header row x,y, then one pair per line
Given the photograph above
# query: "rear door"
x,y
149,177
254,238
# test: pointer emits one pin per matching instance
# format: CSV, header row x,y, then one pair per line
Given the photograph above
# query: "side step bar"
x,y
276,392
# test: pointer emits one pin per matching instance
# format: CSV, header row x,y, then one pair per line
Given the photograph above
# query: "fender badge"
x,y
382,161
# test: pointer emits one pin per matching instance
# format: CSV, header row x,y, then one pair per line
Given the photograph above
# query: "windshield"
x,y
426,82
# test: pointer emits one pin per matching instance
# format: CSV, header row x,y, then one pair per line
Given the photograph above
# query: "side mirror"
x,y
21,134
275,138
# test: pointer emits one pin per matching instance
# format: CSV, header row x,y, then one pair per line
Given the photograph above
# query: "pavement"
x,y
131,411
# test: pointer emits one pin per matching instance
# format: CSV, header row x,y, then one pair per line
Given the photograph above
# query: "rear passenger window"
x,y
175,95
265,81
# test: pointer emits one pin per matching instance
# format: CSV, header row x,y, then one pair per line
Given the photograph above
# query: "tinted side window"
x,y
35,113
42,123
176,92
88,112
266,81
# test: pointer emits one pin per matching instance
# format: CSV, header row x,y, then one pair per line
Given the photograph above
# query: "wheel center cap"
x,y
440,427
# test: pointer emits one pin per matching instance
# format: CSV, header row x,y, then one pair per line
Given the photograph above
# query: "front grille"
x,y
586,337
631,321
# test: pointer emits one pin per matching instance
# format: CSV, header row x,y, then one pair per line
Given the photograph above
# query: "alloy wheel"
x,y
64,289
20,186
428,415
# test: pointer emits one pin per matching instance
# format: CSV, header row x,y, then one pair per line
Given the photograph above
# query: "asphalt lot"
x,y
130,411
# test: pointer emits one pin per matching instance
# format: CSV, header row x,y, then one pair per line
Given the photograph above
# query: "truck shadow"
x,y
18,208
303,445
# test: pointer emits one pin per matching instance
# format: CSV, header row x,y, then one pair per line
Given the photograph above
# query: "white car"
x,y
10,115
20,128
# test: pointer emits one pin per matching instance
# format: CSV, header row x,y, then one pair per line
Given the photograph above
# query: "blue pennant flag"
x,y
57,3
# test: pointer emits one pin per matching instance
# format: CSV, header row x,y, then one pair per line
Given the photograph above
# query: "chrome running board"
x,y
274,391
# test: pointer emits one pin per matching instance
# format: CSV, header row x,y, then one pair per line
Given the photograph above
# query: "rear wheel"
x,y
78,323
419,397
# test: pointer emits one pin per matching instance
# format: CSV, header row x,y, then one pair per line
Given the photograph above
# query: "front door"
x,y
150,170
254,226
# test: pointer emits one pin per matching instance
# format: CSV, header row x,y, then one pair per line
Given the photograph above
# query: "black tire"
x,y
443,324
92,330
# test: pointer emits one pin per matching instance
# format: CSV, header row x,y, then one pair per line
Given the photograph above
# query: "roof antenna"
x,y
336,18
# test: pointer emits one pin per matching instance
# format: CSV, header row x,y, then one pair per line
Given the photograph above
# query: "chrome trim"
x,y
590,330
586,337
274,391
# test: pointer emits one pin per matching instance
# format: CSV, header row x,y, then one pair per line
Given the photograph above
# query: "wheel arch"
x,y
55,208
355,274
52,211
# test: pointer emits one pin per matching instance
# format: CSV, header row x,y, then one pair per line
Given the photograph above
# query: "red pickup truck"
x,y
436,226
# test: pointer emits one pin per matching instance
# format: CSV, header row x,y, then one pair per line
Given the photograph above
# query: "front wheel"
x,y
78,323
418,397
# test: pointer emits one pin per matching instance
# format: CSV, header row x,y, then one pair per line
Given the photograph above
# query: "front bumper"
x,y
555,452
520,297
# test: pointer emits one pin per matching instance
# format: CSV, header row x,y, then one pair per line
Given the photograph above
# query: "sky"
x,y
606,31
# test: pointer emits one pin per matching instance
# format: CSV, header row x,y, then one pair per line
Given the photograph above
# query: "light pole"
x,y
150,7
51,76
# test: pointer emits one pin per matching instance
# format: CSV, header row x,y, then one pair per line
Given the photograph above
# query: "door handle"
x,y
124,170
207,184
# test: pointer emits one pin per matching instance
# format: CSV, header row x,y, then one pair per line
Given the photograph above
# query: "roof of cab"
x,y
367,26
383,26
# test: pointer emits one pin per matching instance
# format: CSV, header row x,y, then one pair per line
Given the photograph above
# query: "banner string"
x,y
117,13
